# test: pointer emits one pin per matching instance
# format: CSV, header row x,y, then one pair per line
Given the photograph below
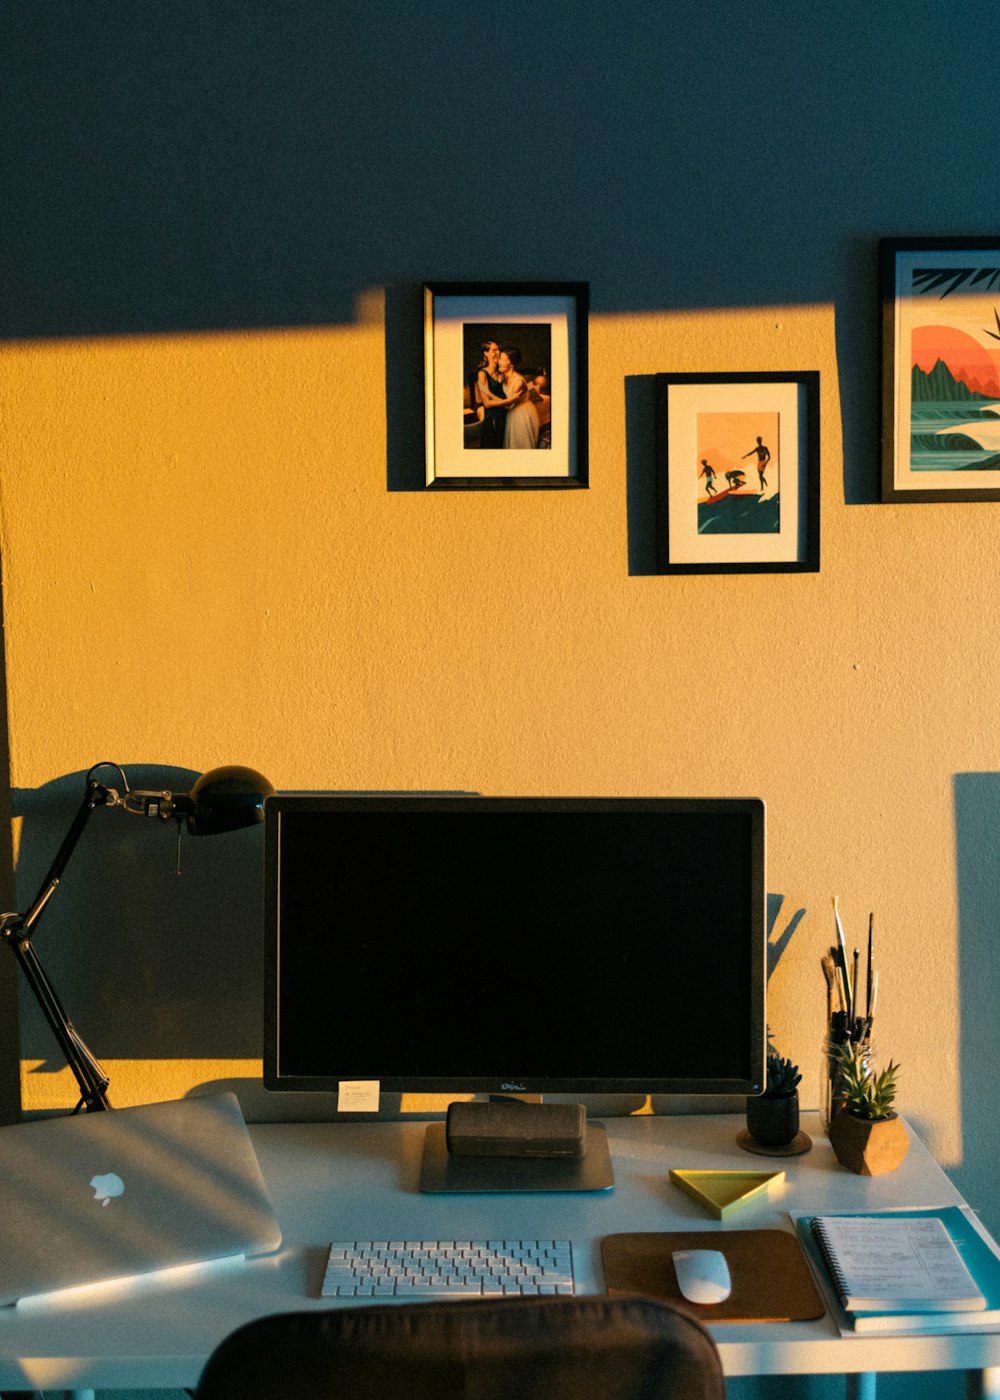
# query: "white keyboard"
x,y
412,1269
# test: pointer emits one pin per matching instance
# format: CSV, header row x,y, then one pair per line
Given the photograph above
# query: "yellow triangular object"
x,y
721,1193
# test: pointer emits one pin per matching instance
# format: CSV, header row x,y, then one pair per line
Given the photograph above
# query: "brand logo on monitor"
x,y
106,1185
512,1088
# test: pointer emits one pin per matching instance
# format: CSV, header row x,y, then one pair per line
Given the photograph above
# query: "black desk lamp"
x,y
223,799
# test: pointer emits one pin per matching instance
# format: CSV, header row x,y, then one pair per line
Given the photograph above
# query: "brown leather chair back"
x,y
557,1348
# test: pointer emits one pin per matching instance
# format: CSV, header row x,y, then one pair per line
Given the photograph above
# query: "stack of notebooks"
x,y
905,1270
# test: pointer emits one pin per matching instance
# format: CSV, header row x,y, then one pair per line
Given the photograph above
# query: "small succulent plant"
x,y
865,1093
782,1076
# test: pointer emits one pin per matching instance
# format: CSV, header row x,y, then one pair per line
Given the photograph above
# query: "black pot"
x,y
773,1119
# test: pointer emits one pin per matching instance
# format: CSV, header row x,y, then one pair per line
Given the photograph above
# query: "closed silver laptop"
x,y
111,1195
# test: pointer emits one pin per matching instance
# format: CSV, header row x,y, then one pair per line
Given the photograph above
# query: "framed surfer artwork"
x,y
940,369
505,384
737,472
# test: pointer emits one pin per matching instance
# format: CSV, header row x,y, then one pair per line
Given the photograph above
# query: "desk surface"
x,y
347,1180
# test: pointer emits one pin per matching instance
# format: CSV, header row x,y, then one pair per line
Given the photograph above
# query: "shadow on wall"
x,y
243,165
149,963
404,363
640,473
977,825
779,939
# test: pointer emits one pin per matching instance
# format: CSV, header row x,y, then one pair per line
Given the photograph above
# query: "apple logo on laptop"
x,y
106,1185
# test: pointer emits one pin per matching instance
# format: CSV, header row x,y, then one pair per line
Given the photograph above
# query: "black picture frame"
x,y
940,364
495,447
703,423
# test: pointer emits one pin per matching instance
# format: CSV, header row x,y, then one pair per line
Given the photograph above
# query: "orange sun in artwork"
x,y
967,360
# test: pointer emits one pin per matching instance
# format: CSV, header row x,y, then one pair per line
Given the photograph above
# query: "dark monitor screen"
x,y
482,945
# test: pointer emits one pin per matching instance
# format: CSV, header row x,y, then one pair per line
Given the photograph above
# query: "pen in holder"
x,y
848,1022
838,1037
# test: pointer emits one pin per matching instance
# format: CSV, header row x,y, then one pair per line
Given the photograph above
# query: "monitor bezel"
x,y
277,806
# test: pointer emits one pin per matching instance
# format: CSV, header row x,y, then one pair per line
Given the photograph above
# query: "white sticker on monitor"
x,y
358,1096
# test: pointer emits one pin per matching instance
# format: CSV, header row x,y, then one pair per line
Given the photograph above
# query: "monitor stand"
x,y
443,1171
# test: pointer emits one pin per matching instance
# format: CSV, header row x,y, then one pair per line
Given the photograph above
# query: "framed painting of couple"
x,y
737,472
513,358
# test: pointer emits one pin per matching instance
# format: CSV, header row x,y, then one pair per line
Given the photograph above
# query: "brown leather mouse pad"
x,y
771,1281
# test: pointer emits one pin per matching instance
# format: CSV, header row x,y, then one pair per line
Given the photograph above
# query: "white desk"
x,y
359,1180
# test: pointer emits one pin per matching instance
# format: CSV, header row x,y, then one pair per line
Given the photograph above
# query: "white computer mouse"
x,y
702,1275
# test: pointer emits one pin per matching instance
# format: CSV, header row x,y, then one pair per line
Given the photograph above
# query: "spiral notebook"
x,y
880,1263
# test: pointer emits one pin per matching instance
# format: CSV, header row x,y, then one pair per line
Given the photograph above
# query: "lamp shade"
x,y
226,799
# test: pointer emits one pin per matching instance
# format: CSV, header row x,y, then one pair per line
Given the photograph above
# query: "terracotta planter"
x,y
868,1147
773,1119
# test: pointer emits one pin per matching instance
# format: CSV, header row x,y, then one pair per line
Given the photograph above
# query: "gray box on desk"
x,y
514,1129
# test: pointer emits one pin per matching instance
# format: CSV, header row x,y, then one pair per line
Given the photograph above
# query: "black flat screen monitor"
x,y
475,945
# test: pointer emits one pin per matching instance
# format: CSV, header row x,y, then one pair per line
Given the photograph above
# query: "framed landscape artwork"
x,y
505,384
737,472
940,369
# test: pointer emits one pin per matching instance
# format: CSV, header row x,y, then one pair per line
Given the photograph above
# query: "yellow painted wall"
x,y
201,524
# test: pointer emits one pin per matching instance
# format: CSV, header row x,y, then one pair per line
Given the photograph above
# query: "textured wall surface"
x,y
218,223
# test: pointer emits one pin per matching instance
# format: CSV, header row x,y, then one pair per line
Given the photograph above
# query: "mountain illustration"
x,y
941,385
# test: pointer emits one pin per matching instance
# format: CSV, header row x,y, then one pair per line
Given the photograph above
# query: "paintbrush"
x,y
830,973
841,953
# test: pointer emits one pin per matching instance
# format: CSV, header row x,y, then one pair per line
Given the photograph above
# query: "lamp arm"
x,y
96,795
90,1077
17,929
